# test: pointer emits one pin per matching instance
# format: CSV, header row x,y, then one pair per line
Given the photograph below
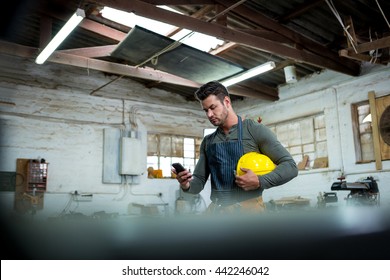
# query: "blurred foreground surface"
x,y
347,233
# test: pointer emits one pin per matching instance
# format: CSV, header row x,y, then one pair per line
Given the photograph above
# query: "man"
x,y
221,150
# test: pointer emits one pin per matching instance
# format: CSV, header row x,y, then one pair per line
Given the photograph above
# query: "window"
x,y
304,137
163,150
363,140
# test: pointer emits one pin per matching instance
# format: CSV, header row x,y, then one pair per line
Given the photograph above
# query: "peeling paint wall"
x,y
48,112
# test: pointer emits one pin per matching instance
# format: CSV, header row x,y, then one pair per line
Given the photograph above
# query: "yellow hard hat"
x,y
260,164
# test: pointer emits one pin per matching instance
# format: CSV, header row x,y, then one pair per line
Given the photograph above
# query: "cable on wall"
x,y
133,118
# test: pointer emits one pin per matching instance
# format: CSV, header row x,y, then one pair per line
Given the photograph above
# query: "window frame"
x,y
164,160
316,142
357,122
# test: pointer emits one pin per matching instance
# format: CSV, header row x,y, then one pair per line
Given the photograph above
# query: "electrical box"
x,y
132,158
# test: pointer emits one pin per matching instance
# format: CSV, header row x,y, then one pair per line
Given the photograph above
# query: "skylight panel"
x,y
196,40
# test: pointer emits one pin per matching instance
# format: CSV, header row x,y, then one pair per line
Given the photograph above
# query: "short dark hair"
x,y
211,88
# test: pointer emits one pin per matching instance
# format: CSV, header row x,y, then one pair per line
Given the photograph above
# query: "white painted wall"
x,y
55,117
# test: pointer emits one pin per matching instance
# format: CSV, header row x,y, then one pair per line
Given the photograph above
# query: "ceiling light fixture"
x,y
249,74
290,74
71,24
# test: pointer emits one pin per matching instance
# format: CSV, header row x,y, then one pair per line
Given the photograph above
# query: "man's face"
x,y
215,110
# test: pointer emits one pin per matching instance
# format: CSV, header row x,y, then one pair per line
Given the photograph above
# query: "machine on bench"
x,y
364,192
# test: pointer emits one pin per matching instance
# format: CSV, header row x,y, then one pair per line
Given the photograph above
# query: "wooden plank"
x,y
302,165
382,104
359,57
356,133
61,57
20,204
24,201
374,45
375,130
318,56
351,30
100,51
321,162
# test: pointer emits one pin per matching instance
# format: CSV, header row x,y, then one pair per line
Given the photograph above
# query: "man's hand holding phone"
x,y
183,176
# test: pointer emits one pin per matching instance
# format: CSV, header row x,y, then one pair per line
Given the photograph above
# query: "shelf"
x,y
36,176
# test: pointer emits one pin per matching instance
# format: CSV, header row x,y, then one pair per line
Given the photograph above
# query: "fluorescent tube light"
x,y
76,18
249,74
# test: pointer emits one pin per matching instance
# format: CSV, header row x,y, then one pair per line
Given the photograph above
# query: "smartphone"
x,y
178,167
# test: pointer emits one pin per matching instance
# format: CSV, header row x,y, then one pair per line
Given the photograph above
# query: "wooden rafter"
x,y
312,54
65,57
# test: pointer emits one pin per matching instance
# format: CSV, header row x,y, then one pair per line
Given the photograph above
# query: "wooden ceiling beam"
x,y
301,41
179,2
150,11
157,76
199,14
90,25
381,43
99,65
45,28
267,93
101,51
224,48
360,57
269,35
301,9
102,30
120,69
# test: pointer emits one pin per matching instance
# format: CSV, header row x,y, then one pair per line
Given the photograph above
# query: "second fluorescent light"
x,y
249,74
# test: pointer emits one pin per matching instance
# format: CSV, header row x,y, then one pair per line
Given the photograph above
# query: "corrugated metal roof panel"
x,y
142,47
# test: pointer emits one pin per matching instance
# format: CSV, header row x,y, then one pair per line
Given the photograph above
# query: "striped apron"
x,y
222,160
